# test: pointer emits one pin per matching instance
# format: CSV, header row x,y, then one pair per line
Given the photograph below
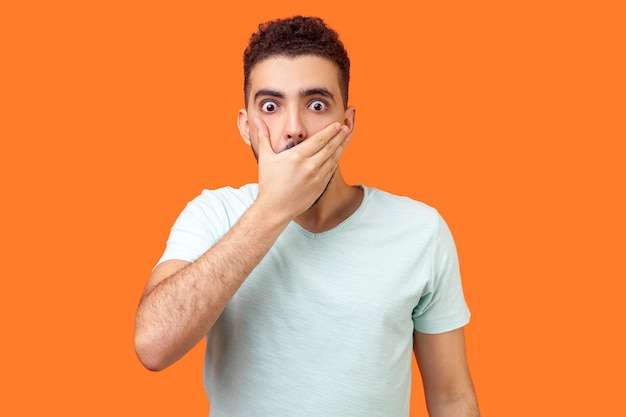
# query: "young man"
x,y
312,293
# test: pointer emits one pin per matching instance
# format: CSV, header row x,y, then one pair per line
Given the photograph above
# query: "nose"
x,y
295,130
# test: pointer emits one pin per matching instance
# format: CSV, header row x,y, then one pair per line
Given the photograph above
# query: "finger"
x,y
336,144
332,153
263,136
317,142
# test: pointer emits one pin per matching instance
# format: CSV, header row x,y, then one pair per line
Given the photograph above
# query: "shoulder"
x,y
400,207
224,199
228,195
219,206
397,218
205,219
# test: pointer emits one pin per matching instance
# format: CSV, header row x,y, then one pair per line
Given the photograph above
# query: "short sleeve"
x,y
442,306
204,221
189,236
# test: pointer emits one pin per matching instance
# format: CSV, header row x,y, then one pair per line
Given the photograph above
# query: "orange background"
x,y
509,117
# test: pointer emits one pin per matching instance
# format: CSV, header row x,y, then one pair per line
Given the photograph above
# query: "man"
x,y
312,293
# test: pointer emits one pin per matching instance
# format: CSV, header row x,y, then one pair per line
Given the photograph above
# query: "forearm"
x,y
179,311
180,306
463,405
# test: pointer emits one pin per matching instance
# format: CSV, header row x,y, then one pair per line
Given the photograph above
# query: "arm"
x,y
182,300
442,362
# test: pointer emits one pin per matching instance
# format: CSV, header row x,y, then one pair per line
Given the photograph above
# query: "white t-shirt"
x,y
323,326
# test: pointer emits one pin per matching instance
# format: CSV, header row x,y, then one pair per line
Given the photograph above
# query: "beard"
x,y
289,145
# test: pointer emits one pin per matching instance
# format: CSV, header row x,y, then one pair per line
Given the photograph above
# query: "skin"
x,y
182,300
297,127
442,361
291,100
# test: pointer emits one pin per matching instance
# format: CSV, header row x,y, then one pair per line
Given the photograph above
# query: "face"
x,y
296,98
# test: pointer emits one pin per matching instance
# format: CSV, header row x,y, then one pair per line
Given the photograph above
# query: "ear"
x,y
244,125
349,119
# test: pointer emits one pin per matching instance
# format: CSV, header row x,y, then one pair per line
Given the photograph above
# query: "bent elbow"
x,y
149,356
151,364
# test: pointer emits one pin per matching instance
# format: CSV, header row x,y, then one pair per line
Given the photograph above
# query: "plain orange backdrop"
x,y
509,117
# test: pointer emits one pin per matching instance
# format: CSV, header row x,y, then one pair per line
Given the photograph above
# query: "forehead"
x,y
290,75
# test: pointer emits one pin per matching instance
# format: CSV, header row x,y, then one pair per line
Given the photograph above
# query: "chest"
x,y
339,284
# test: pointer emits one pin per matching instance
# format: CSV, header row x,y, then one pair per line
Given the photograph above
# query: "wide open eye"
x,y
269,106
317,105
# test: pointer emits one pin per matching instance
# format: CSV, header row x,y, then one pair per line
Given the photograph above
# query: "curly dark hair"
x,y
294,37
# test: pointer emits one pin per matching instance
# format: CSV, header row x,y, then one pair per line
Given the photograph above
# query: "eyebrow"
x,y
321,91
268,92
317,91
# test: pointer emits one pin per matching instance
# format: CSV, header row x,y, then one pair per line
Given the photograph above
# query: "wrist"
x,y
269,216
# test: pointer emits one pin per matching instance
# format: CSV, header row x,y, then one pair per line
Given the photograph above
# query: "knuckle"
x,y
296,155
308,166
311,168
323,138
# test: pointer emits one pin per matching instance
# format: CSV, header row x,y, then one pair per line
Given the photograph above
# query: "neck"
x,y
335,205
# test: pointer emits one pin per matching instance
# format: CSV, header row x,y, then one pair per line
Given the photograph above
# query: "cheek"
x,y
317,122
